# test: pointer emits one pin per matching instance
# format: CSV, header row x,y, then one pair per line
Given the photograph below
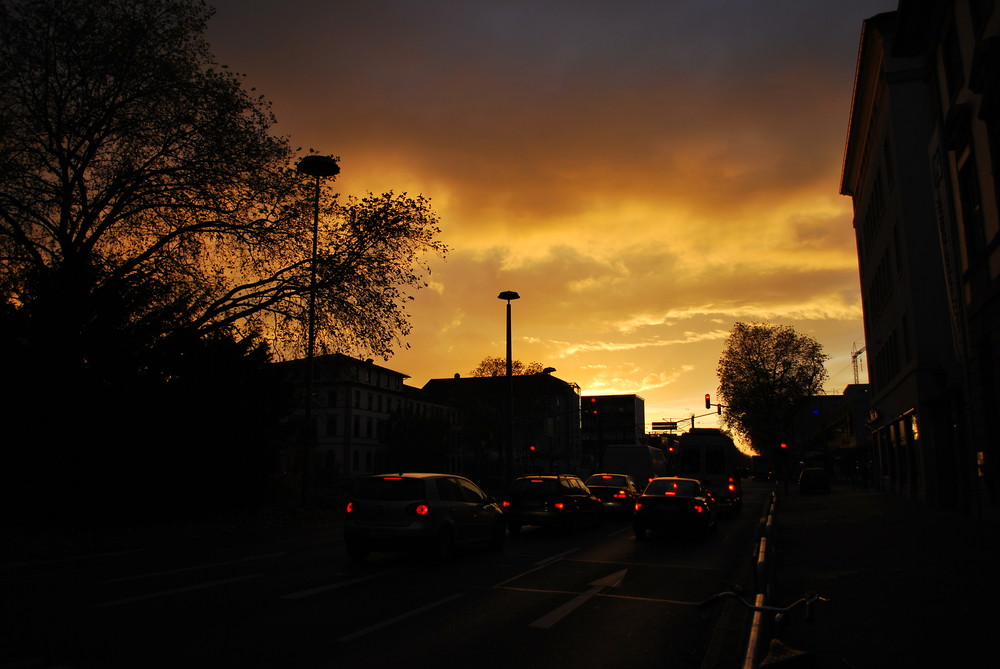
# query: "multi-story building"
x,y
542,434
919,165
366,420
610,419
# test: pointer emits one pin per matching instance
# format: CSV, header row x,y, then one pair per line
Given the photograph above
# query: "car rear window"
x,y
606,479
666,487
536,487
390,488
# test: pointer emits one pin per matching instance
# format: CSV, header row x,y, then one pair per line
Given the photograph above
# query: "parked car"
x,y
617,492
432,513
561,500
674,504
814,479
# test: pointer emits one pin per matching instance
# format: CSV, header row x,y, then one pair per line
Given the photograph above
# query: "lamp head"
x,y
318,166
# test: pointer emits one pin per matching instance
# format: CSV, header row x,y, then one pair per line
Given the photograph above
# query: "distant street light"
x,y
509,450
319,167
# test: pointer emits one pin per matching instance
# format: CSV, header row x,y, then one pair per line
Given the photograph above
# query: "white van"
x,y
640,462
709,455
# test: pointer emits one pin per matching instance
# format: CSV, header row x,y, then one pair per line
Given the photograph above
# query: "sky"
x,y
644,174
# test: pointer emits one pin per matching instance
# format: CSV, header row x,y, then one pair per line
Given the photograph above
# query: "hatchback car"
x,y
432,513
560,500
674,504
617,492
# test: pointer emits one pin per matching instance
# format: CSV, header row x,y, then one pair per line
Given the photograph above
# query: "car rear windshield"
x,y
606,479
540,487
667,487
390,488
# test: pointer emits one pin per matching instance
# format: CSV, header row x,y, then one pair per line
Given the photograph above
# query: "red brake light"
x,y
559,505
670,492
699,508
418,509
536,481
506,504
350,507
638,505
606,477
620,494
392,478
732,488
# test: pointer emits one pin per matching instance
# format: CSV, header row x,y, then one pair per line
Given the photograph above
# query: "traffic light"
x,y
708,401
531,452
593,406
718,408
784,445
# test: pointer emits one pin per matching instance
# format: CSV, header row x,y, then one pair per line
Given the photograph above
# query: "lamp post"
x,y
509,450
318,167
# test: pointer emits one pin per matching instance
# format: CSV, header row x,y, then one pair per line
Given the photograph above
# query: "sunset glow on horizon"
x,y
643,174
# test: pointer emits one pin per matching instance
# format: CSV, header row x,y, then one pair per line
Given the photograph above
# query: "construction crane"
x,y
854,361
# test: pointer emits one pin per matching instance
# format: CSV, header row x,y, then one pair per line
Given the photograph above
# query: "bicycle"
x,y
778,654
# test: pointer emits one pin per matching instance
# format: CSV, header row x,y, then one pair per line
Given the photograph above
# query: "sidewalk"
x,y
909,586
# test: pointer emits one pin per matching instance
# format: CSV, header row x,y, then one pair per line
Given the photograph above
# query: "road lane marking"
x,y
194,568
404,616
552,617
556,556
174,591
333,586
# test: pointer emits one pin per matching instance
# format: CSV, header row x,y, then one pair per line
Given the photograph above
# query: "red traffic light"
x,y
784,445
708,401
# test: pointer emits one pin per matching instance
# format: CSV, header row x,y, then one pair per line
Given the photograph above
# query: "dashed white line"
x,y
174,591
408,614
325,588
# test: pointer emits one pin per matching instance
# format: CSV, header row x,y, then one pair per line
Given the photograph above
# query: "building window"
x,y
331,425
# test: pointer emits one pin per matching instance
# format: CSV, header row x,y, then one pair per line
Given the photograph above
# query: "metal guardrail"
x,y
762,582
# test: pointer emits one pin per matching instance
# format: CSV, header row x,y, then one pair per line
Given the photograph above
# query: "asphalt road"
x,y
596,598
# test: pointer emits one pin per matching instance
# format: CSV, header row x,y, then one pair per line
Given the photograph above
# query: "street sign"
x,y
665,425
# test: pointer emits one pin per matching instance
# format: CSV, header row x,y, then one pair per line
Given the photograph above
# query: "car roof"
x,y
414,475
546,476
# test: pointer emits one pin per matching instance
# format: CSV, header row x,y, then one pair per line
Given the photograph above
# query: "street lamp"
x,y
509,451
318,167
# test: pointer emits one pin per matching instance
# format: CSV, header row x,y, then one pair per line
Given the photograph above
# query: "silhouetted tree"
x,y
766,372
141,190
495,366
149,218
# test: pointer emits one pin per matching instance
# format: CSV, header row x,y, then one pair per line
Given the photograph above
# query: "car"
x,y
617,492
425,512
814,479
561,500
674,504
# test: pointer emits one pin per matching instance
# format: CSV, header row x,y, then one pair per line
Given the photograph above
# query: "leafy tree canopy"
x,y
151,229
497,366
765,374
142,193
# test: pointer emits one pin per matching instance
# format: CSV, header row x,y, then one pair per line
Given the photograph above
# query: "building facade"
x,y
542,434
366,421
610,419
919,167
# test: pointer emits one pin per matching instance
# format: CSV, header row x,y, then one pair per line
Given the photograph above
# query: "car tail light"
x,y
699,508
505,504
620,494
732,488
669,493
350,507
559,506
638,505
418,509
